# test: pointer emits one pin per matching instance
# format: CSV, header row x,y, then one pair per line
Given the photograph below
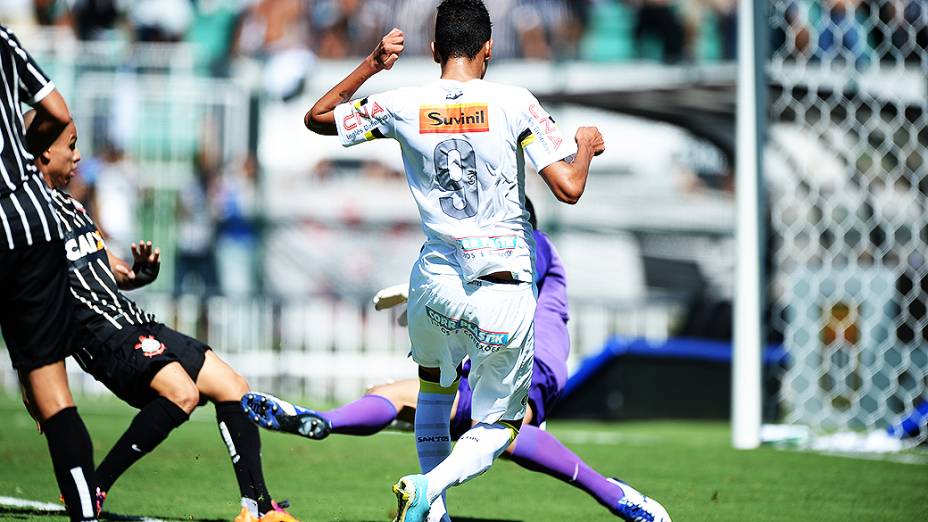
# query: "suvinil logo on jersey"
x,y
150,346
456,118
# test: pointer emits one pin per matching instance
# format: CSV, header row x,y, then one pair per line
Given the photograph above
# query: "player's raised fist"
x,y
388,50
590,137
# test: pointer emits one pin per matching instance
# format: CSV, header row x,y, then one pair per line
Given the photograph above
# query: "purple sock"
x,y
365,416
540,451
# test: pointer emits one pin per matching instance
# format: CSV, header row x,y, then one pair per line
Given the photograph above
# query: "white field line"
x,y
898,458
48,507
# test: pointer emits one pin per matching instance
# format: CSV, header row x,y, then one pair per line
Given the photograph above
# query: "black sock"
x,y
72,457
244,443
148,429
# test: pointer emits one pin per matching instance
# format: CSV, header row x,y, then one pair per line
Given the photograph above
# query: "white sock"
x,y
437,512
433,433
473,454
252,506
433,423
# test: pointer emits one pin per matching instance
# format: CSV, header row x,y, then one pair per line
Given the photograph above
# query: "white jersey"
x,y
463,147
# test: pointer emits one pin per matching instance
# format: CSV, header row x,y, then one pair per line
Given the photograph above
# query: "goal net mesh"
x,y
847,188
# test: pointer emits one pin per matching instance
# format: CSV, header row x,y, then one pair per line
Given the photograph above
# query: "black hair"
x,y
531,213
461,28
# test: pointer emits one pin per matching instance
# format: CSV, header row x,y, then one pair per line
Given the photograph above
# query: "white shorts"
x,y
491,323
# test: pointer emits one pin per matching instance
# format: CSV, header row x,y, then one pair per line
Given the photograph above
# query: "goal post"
x,y
749,234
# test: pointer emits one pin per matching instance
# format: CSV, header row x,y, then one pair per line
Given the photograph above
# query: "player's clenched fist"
x,y
388,50
590,138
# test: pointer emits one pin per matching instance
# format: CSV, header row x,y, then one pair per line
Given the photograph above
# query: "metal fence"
x,y
332,350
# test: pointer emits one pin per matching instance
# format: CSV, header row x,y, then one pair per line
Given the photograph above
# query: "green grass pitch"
x,y
688,466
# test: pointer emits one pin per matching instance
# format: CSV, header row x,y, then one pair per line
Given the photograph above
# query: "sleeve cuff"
x,y
43,92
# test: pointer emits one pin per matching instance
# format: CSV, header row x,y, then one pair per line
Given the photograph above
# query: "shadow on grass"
x,y
25,513
468,519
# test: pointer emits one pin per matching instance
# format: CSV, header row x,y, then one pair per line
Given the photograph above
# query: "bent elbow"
x,y
571,198
570,195
320,123
312,122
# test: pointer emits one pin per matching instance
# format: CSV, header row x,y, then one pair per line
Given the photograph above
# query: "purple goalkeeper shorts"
x,y
542,396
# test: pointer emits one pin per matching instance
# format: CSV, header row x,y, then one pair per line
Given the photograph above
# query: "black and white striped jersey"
x,y
26,213
101,308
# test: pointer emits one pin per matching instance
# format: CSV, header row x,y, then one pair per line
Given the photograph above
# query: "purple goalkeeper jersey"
x,y
552,342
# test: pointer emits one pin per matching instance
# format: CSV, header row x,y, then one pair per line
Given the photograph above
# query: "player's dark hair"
x,y
531,213
461,28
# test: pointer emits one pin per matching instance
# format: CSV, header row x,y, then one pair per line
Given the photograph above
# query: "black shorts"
x,y
35,305
127,362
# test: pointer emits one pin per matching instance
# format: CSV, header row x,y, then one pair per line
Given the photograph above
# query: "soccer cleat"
x,y
99,498
278,513
275,414
412,505
245,516
635,507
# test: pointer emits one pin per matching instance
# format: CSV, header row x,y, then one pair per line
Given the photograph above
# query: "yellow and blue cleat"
x,y
412,503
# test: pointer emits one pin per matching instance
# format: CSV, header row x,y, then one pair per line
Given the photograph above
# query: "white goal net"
x,y
847,188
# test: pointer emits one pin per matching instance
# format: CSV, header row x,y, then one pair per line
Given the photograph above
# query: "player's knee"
x,y
239,385
185,395
379,389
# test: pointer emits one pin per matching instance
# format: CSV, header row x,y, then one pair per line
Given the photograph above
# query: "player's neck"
x,y
462,69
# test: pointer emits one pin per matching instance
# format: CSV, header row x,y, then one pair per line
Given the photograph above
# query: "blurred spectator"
x,y
116,200
335,27
212,33
46,12
95,19
415,17
234,200
658,22
841,38
710,29
791,35
902,24
276,34
160,20
196,267
542,26
726,20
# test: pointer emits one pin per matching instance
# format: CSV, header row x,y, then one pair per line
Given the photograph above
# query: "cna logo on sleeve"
x,y
543,126
364,119
457,118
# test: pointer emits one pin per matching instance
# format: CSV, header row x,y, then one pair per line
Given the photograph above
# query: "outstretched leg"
x,y
177,398
224,387
376,410
540,451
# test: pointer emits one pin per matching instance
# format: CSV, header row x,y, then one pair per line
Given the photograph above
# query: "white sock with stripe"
x,y
473,454
433,432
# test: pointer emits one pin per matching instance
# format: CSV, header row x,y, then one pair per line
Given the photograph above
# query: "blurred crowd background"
x,y
274,239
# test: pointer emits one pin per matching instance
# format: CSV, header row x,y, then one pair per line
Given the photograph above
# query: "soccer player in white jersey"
x,y
471,293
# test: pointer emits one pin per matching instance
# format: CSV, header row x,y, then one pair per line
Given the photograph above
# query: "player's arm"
x,y
51,118
36,89
321,117
567,178
144,270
